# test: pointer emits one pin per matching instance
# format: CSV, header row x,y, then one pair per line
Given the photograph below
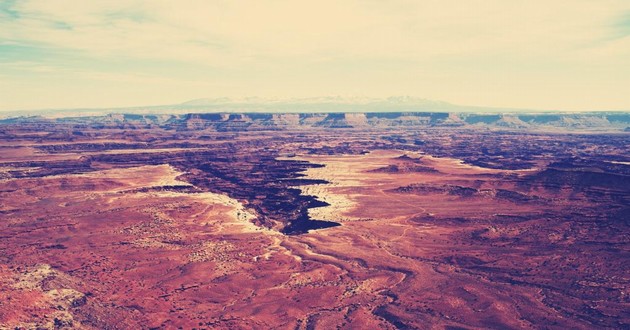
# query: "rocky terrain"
x,y
398,220
260,121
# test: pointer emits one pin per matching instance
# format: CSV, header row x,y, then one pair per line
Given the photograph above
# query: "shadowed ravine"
x,y
266,187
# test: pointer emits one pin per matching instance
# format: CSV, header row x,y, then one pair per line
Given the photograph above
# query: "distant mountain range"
x,y
295,105
327,104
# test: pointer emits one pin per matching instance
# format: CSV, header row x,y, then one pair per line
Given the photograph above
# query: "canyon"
x,y
392,220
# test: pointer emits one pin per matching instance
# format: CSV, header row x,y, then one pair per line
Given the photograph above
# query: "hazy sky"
x,y
545,54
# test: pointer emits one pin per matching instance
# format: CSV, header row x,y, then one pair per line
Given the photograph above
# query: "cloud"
x,y
325,42
214,30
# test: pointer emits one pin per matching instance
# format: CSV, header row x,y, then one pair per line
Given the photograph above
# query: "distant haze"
x,y
334,104
568,55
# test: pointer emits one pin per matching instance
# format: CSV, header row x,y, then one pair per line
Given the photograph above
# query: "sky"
x,y
534,54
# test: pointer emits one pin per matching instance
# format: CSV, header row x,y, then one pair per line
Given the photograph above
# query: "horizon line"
x,y
269,102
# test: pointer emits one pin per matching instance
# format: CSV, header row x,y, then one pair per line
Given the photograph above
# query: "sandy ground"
x,y
348,176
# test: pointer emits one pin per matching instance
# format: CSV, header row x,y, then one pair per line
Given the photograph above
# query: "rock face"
x,y
234,122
